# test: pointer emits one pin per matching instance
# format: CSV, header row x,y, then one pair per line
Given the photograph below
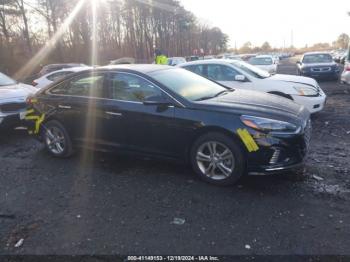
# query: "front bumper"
x,y
279,153
312,103
321,75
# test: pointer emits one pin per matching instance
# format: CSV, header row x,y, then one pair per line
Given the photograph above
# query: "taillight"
x,y
34,83
347,67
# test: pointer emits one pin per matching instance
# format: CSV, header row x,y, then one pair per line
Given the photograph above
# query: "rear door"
x,y
149,127
79,104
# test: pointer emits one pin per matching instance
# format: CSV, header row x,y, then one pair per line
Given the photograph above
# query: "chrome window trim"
x,y
110,99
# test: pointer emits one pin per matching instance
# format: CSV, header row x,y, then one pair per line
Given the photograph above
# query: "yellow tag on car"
x,y
248,140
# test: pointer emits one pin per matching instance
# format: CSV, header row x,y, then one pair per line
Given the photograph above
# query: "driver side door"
x,y
148,127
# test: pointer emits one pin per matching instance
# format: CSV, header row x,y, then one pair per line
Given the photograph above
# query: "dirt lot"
x,y
119,205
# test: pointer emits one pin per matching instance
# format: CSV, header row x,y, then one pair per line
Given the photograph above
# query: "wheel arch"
x,y
213,129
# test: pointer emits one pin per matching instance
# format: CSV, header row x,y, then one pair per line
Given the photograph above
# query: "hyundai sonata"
x,y
173,113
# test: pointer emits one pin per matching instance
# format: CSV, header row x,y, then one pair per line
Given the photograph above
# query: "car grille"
x,y
321,69
12,107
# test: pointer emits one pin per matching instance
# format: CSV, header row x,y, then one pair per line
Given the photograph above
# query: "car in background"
x,y
54,67
13,97
171,113
345,76
192,58
173,61
264,62
51,77
239,74
344,57
123,61
318,65
338,55
235,57
206,57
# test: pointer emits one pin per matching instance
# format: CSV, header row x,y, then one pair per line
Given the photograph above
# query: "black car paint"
x,y
169,129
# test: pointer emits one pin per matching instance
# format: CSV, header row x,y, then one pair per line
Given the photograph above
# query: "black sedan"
x,y
318,65
172,113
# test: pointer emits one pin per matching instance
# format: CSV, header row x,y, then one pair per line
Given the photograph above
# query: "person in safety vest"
x,y
160,58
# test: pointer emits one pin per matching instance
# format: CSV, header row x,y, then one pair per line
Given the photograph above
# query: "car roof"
x,y
72,69
142,68
263,56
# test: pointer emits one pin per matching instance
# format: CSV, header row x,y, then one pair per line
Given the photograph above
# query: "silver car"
x,y
13,97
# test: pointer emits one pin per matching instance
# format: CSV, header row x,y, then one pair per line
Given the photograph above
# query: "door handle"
x,y
113,113
64,107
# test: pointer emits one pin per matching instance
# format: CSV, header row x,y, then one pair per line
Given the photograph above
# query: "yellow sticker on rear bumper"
x,y
248,140
38,119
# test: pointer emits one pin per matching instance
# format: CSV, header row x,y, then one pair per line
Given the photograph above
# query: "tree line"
x,y
342,42
122,28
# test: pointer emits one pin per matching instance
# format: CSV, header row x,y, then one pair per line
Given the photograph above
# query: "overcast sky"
x,y
311,21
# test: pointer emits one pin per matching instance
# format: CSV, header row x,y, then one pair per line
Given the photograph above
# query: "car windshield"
x,y
6,81
251,69
317,58
260,61
187,84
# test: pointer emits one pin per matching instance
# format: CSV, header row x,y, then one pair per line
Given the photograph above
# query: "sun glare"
x,y
33,63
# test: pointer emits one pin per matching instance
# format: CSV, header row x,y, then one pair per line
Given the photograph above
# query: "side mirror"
x,y
240,78
157,100
298,62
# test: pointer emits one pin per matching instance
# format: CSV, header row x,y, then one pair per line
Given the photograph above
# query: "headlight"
x,y
269,125
305,91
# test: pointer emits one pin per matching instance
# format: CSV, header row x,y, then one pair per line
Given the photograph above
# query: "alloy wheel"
x,y
55,140
215,160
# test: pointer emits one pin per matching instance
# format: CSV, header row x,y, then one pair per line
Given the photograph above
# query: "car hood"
x,y
257,103
295,79
18,91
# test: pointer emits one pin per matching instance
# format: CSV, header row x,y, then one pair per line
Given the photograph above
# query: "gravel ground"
x,y
108,204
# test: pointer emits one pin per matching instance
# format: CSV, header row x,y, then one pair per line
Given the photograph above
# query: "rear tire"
x,y
217,159
56,139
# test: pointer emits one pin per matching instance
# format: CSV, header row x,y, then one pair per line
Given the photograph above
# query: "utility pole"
x,y
291,38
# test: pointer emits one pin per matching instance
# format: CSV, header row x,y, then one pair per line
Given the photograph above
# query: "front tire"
x,y
56,139
217,159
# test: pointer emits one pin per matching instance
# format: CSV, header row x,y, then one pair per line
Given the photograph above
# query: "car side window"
x,y
221,73
89,85
130,87
197,69
58,75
